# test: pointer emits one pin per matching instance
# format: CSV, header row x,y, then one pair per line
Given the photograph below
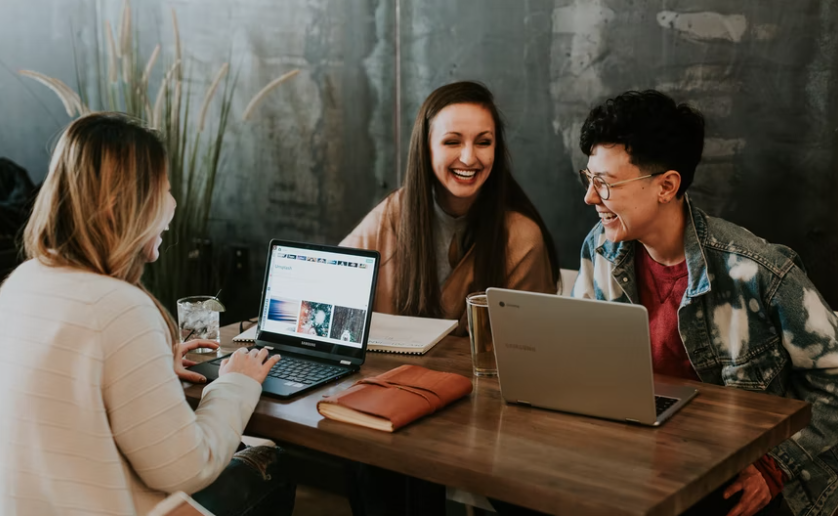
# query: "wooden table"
x,y
549,461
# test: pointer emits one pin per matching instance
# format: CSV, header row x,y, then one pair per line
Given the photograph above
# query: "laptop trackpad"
x,y
208,369
280,387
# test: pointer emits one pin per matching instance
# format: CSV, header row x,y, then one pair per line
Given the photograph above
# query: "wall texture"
x,y
325,147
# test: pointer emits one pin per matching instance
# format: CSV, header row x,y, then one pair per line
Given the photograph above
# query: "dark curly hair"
x,y
658,134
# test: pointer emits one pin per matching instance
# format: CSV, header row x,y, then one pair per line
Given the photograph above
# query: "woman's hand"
x,y
254,363
181,363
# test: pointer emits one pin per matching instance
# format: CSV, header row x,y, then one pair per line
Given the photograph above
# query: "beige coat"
x,y
528,264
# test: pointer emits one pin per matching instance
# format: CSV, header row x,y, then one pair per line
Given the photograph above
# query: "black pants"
x,y
711,505
777,507
380,492
251,484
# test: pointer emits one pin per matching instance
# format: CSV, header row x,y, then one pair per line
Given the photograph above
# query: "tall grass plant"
x,y
194,138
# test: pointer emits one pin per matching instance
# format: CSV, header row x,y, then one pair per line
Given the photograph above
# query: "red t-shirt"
x,y
661,289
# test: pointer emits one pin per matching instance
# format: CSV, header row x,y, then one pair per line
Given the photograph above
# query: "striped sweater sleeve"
x,y
170,447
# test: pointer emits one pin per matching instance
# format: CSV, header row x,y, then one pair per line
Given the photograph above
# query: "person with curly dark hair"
x,y
725,306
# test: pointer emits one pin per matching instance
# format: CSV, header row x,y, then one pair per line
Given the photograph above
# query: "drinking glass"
x,y
480,335
197,320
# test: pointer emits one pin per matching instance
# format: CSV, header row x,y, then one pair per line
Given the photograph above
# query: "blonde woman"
x,y
94,416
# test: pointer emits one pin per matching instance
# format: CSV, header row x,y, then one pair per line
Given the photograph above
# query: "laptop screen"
x,y
318,297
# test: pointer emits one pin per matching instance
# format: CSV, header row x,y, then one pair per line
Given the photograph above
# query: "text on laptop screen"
x,y
318,295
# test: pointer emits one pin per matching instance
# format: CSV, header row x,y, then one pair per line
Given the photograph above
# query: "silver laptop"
x,y
578,355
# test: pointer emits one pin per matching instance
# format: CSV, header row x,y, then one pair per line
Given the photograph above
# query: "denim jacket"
x,y
751,319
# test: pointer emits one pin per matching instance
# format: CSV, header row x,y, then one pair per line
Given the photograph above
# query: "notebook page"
x,y
407,332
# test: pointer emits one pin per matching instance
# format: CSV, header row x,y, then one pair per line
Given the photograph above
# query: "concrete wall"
x,y
312,161
323,149
765,73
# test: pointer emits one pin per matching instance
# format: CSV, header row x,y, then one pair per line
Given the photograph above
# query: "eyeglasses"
x,y
603,188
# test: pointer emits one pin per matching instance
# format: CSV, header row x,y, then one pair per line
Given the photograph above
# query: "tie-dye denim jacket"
x,y
750,318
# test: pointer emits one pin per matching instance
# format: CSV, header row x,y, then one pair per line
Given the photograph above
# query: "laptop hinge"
x,y
345,362
522,402
632,420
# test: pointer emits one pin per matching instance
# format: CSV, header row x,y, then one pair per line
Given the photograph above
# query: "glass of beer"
x,y
480,335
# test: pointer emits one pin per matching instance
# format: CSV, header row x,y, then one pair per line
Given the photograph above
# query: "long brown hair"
x,y
102,201
418,292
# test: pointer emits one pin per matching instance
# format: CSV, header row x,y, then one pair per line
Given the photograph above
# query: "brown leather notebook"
x,y
391,400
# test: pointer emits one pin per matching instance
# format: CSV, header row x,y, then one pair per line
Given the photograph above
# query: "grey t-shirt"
x,y
446,228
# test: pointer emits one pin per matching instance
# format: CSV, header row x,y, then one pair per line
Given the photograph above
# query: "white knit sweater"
x,y
93,419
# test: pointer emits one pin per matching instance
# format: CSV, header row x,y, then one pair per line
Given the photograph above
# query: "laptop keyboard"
x,y
662,404
303,371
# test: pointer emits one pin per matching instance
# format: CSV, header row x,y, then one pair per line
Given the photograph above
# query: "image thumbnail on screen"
x,y
315,318
283,310
348,324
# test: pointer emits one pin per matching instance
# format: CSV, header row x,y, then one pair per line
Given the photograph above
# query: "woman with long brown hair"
x,y
94,416
461,223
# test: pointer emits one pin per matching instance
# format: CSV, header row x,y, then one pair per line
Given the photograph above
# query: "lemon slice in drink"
x,y
214,305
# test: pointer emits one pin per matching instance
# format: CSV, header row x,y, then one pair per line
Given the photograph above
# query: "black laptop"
x,y
315,312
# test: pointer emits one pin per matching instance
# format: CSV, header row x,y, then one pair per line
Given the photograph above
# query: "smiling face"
x,y
152,249
633,210
462,147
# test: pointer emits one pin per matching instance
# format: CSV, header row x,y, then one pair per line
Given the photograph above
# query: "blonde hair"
x,y
102,201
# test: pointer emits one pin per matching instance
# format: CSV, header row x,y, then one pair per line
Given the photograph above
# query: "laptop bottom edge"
x,y
682,393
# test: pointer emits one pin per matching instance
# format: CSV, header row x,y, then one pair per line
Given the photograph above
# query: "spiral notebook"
x,y
393,333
